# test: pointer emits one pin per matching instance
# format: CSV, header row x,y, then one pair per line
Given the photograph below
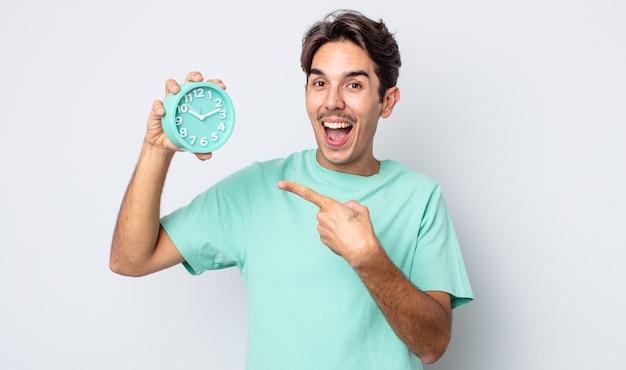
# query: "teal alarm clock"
x,y
200,118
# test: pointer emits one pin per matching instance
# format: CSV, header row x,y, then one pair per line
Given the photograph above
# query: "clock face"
x,y
200,118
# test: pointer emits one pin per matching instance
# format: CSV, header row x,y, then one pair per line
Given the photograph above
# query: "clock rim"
x,y
168,121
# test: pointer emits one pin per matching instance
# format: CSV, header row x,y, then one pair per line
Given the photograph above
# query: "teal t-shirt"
x,y
307,308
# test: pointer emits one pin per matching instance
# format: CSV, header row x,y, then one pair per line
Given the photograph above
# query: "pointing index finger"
x,y
303,192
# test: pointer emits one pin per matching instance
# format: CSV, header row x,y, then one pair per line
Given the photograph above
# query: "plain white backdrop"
x,y
518,108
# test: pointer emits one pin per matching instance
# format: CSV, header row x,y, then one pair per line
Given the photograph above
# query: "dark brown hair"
x,y
371,36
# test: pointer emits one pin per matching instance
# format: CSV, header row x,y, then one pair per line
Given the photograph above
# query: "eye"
x,y
318,83
354,85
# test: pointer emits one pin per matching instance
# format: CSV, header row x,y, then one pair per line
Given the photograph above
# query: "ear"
x,y
392,96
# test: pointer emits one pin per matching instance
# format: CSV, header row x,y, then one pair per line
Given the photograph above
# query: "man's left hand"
x,y
346,228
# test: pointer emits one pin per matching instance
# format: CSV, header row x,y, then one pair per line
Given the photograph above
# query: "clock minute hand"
x,y
211,113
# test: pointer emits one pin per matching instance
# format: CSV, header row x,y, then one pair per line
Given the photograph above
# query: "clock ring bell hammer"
x,y
200,118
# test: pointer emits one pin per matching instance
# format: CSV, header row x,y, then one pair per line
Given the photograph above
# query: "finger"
x,y
304,192
194,77
157,110
171,86
204,156
218,82
353,205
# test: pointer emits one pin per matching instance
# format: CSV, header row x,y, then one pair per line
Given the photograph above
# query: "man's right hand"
x,y
155,135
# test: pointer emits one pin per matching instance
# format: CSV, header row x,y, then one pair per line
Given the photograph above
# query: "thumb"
x,y
353,205
157,112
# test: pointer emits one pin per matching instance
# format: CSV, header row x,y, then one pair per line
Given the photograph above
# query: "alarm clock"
x,y
200,118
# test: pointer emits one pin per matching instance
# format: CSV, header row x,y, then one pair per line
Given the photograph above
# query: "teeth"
x,y
336,125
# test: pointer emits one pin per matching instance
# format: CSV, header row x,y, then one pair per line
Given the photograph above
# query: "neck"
x,y
368,167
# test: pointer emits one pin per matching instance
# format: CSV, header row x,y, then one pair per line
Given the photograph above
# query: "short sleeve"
x,y
210,232
438,263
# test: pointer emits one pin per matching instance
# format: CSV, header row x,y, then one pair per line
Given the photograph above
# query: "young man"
x,y
350,262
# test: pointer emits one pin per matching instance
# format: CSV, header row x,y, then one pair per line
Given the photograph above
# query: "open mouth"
x,y
337,133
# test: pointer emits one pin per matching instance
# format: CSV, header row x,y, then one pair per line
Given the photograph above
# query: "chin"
x,y
334,157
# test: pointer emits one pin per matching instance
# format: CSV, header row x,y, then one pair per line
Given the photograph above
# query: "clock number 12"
x,y
196,93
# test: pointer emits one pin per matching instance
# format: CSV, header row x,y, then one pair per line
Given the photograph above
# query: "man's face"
x,y
343,104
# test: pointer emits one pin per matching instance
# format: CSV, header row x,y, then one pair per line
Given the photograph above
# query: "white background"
x,y
516,107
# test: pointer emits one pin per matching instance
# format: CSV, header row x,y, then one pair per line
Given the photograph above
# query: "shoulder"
x,y
399,173
267,170
296,158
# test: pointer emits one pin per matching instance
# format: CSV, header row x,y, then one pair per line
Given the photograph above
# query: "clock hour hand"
x,y
211,113
194,113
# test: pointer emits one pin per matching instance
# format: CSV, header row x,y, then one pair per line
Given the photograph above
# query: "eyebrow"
x,y
360,72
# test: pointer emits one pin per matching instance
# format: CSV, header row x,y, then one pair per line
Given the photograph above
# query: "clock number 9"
x,y
179,120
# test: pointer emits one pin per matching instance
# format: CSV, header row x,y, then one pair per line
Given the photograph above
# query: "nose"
x,y
334,99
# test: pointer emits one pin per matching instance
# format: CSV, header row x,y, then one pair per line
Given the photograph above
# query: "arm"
x,y
422,320
140,246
